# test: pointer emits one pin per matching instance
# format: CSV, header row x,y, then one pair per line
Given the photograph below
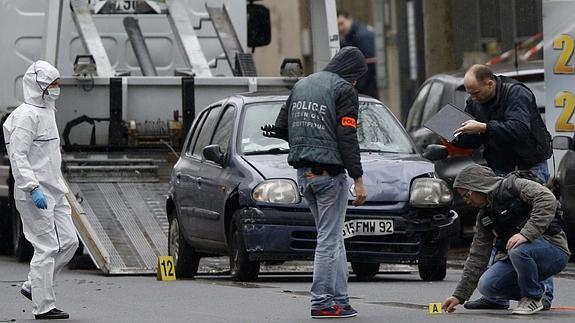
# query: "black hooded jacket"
x,y
326,136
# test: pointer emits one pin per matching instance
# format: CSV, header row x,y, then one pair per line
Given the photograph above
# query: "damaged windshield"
x,y
377,130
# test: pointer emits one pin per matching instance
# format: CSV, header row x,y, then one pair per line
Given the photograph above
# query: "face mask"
x,y
53,93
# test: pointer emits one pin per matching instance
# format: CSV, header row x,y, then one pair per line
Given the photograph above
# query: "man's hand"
x,y
270,130
360,193
450,303
39,198
471,127
515,241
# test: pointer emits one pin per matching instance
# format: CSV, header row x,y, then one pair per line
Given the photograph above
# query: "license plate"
x,y
367,228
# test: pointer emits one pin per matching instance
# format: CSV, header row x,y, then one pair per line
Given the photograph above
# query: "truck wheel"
x,y
241,268
364,270
22,249
433,271
186,259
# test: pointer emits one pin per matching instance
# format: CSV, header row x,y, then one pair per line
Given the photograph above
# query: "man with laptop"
x,y
506,122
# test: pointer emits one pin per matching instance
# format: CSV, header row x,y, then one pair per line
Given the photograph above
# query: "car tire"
x,y
364,270
433,271
241,268
21,248
186,259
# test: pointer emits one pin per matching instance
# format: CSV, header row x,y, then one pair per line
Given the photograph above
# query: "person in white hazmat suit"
x,y
33,146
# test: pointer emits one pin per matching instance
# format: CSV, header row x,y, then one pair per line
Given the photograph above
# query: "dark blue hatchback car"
x,y
233,193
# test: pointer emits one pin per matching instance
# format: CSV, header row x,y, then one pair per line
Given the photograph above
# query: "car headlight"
x,y
430,192
282,191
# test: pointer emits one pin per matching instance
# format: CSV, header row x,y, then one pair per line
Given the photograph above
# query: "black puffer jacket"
x,y
510,129
340,97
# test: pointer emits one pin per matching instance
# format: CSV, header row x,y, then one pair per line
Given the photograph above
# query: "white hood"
x,y
37,78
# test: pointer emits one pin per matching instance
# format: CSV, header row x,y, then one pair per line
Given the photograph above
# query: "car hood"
x,y
387,177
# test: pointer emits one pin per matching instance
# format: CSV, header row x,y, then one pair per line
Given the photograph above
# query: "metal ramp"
x,y
90,37
118,211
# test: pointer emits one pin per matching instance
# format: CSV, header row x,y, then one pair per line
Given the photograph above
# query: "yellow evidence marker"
x,y
166,268
435,308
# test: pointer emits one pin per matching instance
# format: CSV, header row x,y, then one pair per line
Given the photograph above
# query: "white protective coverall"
x,y
33,145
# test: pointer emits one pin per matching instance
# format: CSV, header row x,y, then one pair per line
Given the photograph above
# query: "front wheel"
x,y
241,268
365,271
186,259
433,271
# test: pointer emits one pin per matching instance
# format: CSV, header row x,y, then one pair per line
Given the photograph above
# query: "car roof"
x,y
266,96
524,69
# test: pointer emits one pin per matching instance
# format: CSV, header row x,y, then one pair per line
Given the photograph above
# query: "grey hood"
x,y
348,63
477,178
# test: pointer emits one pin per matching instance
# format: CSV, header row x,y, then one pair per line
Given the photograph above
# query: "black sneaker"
x,y
26,293
53,314
333,311
483,304
348,310
546,304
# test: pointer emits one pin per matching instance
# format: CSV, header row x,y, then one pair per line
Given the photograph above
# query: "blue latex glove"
x,y
39,198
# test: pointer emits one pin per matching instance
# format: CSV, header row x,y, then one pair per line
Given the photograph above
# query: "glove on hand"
x,y
270,130
39,198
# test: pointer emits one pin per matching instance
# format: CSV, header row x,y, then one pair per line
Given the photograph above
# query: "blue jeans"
x,y
541,170
523,272
326,197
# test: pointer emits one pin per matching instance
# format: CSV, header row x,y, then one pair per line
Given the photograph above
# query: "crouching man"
x,y
517,216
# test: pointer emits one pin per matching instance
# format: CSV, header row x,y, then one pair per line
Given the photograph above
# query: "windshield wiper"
x,y
367,150
271,151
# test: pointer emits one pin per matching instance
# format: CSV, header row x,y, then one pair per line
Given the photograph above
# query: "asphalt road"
x,y
392,297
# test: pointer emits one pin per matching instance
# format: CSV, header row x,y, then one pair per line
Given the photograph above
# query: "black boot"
x,y
483,304
53,314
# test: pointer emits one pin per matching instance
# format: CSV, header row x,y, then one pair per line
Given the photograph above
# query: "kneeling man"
x,y
517,217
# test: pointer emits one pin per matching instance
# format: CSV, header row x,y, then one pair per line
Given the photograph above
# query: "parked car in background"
x,y
565,185
445,88
233,193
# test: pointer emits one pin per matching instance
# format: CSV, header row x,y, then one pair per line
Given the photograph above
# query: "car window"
x,y
255,116
460,97
433,99
194,132
206,131
414,116
224,129
377,130
538,89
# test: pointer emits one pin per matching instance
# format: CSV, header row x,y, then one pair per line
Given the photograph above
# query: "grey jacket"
x,y
482,179
320,116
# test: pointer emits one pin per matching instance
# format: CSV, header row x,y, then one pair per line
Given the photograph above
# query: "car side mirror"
x,y
214,153
562,143
435,152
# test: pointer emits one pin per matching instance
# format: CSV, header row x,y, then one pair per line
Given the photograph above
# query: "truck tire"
x,y
433,271
21,248
364,270
186,259
241,268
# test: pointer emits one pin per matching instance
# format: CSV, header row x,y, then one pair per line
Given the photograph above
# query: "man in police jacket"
x,y
520,215
319,121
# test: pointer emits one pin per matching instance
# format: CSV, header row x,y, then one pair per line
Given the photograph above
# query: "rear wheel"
x,y
364,270
241,268
433,271
186,259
